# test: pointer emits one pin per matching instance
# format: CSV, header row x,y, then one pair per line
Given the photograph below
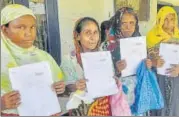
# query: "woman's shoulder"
x,y
150,34
69,57
44,54
71,68
69,60
41,51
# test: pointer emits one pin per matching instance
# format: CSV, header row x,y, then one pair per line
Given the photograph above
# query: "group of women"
x,y
18,32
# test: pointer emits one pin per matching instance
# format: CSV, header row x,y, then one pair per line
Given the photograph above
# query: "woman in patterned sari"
x,y
86,39
165,31
124,25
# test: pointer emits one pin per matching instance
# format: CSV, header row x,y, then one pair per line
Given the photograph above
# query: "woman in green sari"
x,y
18,32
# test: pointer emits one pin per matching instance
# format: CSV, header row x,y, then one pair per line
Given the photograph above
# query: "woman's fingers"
x,y
173,71
59,87
81,84
11,100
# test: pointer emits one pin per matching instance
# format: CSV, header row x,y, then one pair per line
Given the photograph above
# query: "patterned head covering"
x,y
116,22
14,11
115,30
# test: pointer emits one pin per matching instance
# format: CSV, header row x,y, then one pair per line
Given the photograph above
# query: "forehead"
x,y
25,20
128,17
90,25
170,15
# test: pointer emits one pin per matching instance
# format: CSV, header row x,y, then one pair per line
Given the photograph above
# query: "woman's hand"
x,y
173,71
59,87
81,84
10,100
148,63
158,63
121,65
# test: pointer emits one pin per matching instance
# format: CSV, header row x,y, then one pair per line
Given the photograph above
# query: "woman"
x,y
165,31
18,32
86,39
105,26
124,25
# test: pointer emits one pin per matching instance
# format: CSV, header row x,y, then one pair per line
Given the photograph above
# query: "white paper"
x,y
133,50
34,82
170,53
76,98
98,70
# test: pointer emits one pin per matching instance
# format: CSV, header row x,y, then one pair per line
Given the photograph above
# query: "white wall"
x,y
146,26
72,10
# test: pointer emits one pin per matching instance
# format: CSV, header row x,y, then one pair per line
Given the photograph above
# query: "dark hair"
x,y
6,25
105,25
82,22
79,27
116,21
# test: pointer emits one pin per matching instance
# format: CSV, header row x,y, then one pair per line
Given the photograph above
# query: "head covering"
x,y
115,30
157,34
8,14
14,11
116,22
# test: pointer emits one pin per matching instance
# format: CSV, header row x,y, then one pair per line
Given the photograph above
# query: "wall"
x,y
147,25
71,10
173,2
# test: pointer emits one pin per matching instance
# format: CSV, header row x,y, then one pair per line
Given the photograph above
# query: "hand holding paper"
x,y
81,84
133,51
121,65
170,53
34,81
173,71
6,100
59,87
